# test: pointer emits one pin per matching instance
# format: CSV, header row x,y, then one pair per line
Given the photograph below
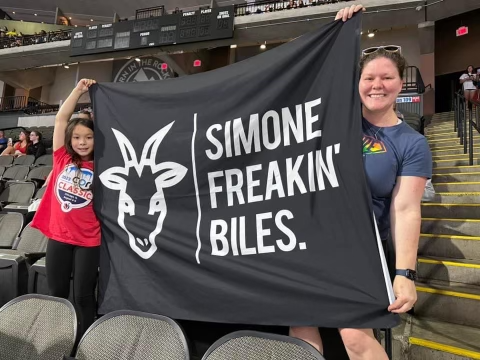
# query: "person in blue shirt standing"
x,y
397,162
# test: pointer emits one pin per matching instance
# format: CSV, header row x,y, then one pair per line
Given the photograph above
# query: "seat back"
x,y
32,241
25,160
39,173
254,345
16,172
10,226
44,160
37,327
141,335
39,194
17,192
6,160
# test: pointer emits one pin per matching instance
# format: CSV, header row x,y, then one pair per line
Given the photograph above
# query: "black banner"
x,y
239,195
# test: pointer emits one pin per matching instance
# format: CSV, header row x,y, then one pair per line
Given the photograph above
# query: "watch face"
x,y
411,274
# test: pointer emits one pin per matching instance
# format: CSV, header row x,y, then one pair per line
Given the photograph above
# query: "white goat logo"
x,y
115,178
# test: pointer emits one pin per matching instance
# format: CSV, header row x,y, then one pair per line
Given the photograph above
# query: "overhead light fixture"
x,y
138,59
371,35
91,19
35,14
419,7
13,12
361,32
69,18
263,46
234,46
66,66
76,25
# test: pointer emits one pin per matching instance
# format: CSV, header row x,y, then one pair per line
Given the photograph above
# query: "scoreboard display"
x,y
179,28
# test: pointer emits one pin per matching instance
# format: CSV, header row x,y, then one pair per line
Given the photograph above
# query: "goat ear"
x,y
150,148
114,179
128,152
173,174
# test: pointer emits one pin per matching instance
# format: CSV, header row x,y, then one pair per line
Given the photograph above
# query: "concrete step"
x,y
445,269
452,177
455,169
436,157
469,187
454,162
445,144
446,226
449,150
456,197
429,131
426,339
451,211
449,246
449,302
448,136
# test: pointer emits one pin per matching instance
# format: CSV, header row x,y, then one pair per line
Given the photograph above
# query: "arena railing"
x,y
260,7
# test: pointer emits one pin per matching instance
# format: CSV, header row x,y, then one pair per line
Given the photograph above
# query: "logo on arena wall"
x,y
148,69
72,188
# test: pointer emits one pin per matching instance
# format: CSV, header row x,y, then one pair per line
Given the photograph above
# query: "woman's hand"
x,y
406,295
84,84
348,12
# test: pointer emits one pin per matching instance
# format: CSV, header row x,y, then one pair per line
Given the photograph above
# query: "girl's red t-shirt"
x,y
66,211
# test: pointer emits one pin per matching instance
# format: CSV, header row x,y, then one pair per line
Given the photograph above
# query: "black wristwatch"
x,y
408,273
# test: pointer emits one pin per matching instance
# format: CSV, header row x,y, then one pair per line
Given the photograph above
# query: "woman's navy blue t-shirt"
x,y
390,152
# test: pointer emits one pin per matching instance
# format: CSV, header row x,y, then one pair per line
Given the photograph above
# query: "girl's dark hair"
x,y
395,57
27,136
473,68
76,159
37,133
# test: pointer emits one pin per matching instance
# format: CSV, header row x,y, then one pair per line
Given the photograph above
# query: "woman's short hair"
x,y
396,57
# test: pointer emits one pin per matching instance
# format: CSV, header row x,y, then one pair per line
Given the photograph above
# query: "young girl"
x,y
20,147
66,213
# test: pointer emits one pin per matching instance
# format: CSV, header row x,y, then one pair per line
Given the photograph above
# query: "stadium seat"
x,y
17,195
141,335
31,246
39,193
37,327
10,226
17,172
2,170
254,345
25,160
6,160
44,160
39,174
37,279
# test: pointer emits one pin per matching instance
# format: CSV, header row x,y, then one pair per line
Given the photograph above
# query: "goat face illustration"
x,y
115,178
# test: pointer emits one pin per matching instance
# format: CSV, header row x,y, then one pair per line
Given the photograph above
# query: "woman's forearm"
x,y
405,227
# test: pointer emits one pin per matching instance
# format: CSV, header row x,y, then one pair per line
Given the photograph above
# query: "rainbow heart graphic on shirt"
x,y
372,145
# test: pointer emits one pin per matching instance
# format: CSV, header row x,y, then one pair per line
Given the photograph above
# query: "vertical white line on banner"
x,y
199,246
386,274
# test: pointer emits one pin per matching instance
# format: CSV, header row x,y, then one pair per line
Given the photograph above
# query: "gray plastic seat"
x,y
17,195
39,174
44,160
10,226
254,345
14,263
25,160
6,160
131,335
37,327
16,172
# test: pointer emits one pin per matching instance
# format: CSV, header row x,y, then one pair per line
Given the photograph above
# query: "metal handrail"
x,y
463,124
413,81
473,125
265,6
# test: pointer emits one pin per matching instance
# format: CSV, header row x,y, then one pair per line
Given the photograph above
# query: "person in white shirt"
x,y
467,79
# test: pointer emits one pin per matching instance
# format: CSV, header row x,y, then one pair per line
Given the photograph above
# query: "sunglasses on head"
x,y
388,48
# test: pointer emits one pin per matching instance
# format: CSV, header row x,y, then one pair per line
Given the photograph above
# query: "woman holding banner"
x,y
397,180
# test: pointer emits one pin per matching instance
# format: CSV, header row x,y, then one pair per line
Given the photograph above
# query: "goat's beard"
x,y
144,248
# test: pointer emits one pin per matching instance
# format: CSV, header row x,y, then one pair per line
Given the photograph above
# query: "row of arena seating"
x,y
44,328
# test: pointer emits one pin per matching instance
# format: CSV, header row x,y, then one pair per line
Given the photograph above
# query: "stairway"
x,y
446,324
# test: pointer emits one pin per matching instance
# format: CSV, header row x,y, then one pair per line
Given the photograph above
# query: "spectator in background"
x,y
469,88
3,141
36,147
85,114
20,147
